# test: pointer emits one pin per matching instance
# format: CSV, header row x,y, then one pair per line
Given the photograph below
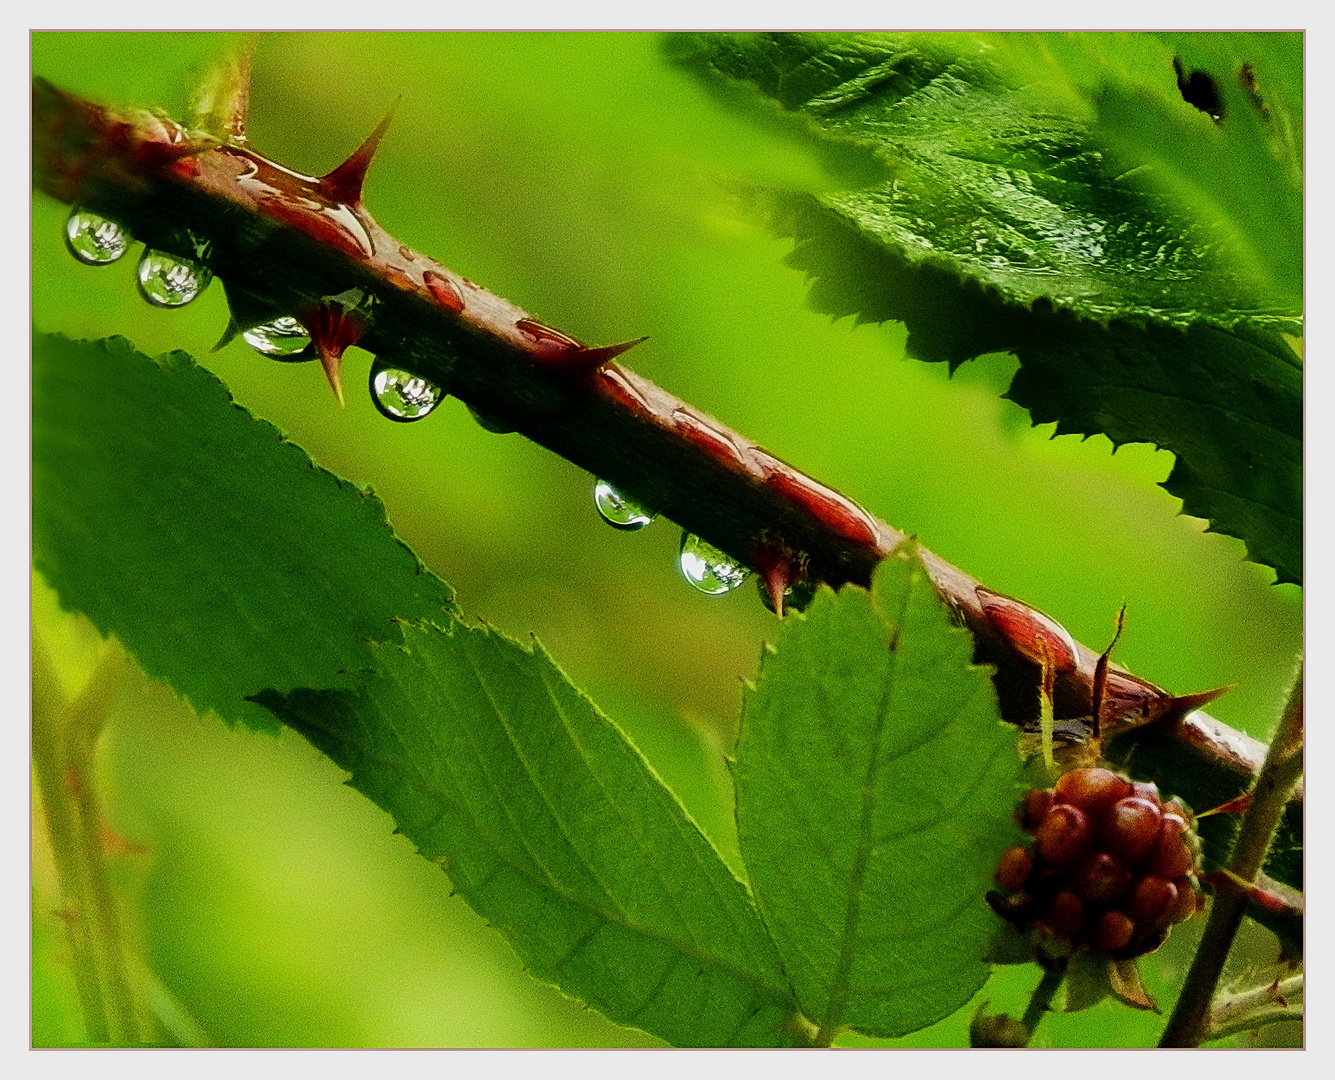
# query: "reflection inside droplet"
x,y
170,282
281,339
619,511
401,395
94,240
707,568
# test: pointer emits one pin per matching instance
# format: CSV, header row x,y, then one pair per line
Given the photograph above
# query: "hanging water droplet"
x,y
707,568
94,240
619,511
283,338
490,422
170,282
401,395
795,597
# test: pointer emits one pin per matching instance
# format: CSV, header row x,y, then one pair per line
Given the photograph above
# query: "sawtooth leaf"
x,y
1065,169
875,783
553,828
1228,404
1055,196
213,548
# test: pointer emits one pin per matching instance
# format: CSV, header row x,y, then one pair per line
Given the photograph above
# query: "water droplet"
x,y
280,339
170,282
94,240
619,511
707,568
401,395
795,597
490,422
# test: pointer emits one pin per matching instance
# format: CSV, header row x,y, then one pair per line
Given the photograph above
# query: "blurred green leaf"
x,y
875,782
215,550
996,154
554,829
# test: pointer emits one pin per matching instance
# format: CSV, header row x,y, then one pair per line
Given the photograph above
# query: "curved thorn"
x,y
344,184
778,571
331,362
229,335
1100,684
1179,706
599,357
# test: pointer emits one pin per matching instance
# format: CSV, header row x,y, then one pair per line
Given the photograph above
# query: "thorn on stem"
x,y
344,184
778,570
333,328
1100,684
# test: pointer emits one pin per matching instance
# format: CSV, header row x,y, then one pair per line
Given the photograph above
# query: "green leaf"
x,y
1229,405
215,550
1032,178
553,827
875,787
1065,169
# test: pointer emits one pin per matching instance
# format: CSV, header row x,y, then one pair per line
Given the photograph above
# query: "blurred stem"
x,y
1041,1002
1283,766
64,738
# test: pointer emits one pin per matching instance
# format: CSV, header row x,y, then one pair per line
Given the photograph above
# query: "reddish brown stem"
x,y
285,243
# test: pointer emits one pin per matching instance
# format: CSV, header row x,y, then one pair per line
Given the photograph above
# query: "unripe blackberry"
x,y
1111,868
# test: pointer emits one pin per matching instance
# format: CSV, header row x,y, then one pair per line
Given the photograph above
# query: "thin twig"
x,y
1272,1003
1189,1024
1041,1002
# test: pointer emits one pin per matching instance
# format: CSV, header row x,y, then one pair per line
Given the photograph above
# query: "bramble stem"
x,y
1189,1024
282,242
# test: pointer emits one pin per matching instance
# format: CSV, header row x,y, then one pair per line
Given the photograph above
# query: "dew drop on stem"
x,y
707,568
283,338
401,395
619,511
169,281
94,240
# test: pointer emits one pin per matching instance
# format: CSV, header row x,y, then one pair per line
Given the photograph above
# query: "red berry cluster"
x,y
1112,866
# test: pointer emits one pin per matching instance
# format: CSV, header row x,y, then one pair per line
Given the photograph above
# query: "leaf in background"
x,y
994,154
875,785
554,829
1229,405
215,550
1054,196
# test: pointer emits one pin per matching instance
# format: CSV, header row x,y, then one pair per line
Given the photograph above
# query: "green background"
x,y
579,176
